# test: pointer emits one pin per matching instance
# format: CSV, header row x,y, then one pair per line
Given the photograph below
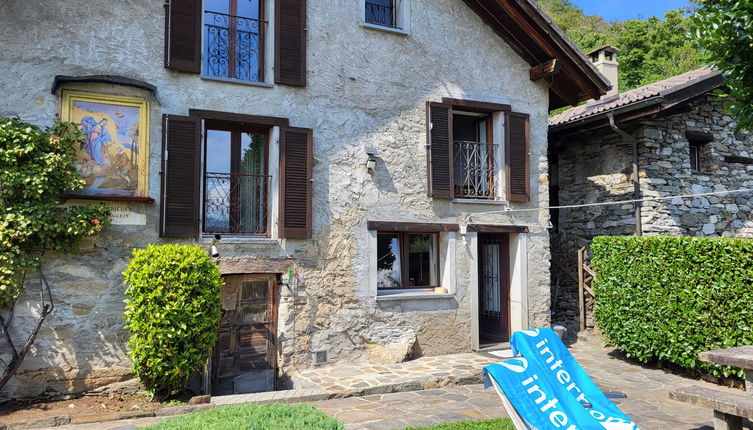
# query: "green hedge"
x,y
669,298
172,313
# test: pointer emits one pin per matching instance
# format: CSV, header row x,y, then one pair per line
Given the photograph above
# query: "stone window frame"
x,y
402,18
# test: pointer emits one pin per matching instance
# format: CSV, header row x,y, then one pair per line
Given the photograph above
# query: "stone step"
x,y
726,402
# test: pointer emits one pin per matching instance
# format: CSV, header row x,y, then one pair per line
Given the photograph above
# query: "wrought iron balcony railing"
x,y
234,46
381,12
236,203
475,169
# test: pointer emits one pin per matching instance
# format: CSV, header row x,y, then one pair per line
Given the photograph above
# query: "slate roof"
x,y
657,89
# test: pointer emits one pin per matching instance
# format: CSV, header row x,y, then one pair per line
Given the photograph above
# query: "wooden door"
x,y
245,357
494,289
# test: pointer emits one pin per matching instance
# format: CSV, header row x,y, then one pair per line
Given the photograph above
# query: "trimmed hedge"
x,y
172,313
669,298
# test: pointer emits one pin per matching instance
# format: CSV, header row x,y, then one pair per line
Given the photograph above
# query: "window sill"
x,y
240,239
394,30
481,202
411,294
237,81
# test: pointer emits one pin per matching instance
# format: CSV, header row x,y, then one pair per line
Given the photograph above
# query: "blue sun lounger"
x,y
544,388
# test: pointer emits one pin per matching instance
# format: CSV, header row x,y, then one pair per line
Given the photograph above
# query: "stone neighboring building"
x,y
317,140
686,144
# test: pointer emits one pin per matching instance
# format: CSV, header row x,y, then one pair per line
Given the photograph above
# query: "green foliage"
x,y
36,169
274,416
172,313
723,30
669,298
650,50
492,424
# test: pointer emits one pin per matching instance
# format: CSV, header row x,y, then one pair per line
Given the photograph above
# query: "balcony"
x,y
234,47
236,203
475,170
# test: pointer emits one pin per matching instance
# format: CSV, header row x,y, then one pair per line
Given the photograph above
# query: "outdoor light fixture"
x,y
214,251
371,162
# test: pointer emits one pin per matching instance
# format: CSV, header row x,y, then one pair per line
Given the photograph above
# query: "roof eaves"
x,y
616,111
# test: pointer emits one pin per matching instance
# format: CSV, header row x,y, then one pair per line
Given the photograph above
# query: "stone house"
x,y
685,144
353,158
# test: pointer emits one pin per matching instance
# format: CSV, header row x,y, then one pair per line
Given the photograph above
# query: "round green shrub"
x,y
172,313
667,298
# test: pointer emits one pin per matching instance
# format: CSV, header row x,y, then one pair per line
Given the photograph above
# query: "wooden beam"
x,y
417,227
488,228
545,70
475,106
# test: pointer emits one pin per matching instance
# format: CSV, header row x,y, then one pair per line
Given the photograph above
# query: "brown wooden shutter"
x,y
290,42
296,161
517,160
183,35
439,132
181,173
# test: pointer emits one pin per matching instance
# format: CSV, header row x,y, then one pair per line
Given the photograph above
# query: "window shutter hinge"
x,y
431,126
166,152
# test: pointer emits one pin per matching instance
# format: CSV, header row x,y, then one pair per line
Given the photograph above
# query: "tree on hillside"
x,y
723,30
650,49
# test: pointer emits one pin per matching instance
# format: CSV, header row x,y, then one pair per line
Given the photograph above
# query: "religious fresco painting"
x,y
114,157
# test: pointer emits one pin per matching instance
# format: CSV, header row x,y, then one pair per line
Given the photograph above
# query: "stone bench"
x,y
729,408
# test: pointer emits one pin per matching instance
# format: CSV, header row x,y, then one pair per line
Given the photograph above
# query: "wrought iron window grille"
x,y
234,46
236,203
475,169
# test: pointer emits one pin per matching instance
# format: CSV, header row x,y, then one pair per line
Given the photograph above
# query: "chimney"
x,y
605,60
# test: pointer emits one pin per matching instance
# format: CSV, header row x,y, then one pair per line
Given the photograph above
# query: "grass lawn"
x,y
495,424
277,416
272,416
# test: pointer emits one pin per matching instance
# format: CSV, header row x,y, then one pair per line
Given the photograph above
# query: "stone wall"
x,y
597,167
365,88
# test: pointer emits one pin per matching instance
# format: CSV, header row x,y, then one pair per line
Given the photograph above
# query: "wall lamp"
x,y
214,251
371,162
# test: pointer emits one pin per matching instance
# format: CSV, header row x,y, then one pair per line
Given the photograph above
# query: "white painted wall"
x,y
365,88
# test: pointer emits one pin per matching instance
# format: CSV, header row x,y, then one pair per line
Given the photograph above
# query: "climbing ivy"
x,y
36,170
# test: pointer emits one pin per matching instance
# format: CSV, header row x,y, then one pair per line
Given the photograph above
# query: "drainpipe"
x,y
636,178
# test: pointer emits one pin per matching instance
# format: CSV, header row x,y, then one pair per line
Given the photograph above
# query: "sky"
x,y
621,10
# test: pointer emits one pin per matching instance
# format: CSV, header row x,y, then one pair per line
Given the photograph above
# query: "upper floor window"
x,y
475,164
236,182
697,141
234,39
381,12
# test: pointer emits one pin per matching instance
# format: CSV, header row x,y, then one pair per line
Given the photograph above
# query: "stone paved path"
x,y
415,408
425,372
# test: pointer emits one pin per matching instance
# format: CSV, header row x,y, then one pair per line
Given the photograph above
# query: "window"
x,y
474,156
407,260
234,39
381,12
236,183
465,143
695,157
696,142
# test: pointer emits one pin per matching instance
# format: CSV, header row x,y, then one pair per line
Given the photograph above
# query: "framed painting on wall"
x,y
114,158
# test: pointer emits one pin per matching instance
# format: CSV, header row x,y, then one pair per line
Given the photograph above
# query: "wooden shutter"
x,y
181,173
183,35
439,132
296,162
517,160
290,42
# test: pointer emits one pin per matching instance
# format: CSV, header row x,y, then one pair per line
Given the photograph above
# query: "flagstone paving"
x,y
425,372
